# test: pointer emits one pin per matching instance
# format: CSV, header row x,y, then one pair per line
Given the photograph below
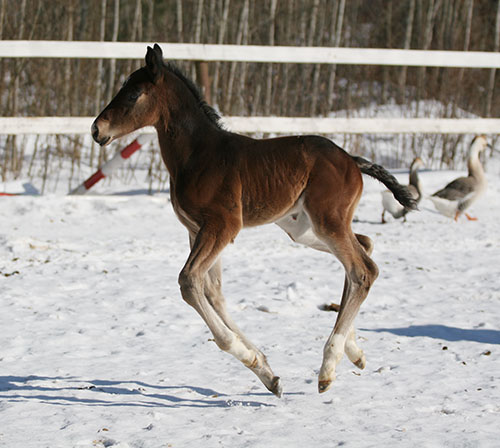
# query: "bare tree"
x,y
317,67
286,68
406,46
239,38
491,80
2,61
244,67
386,69
336,34
151,12
136,30
220,40
100,73
199,17
433,6
2,15
269,82
69,36
468,24
180,29
114,38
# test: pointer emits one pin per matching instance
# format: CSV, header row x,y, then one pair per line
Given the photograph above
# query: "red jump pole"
x,y
117,160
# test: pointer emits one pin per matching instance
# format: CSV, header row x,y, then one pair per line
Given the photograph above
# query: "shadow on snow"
x,y
66,390
451,334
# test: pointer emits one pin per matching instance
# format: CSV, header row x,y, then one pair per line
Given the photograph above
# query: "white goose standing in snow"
x,y
392,206
459,194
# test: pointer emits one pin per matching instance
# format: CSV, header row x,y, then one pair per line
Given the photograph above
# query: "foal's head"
x,y
137,104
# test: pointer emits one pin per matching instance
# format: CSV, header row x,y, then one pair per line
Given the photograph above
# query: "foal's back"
x,y
274,173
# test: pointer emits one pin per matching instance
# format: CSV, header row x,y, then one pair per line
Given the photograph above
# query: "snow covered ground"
x,y
97,348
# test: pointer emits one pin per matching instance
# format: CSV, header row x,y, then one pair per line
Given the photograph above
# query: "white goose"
x,y
392,206
459,194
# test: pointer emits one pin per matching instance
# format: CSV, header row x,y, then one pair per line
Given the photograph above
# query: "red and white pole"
x,y
112,164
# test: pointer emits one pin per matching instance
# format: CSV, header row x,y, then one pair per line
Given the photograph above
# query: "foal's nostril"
x,y
95,131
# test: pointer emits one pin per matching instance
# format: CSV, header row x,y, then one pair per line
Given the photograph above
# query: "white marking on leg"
x,y
241,352
332,354
353,352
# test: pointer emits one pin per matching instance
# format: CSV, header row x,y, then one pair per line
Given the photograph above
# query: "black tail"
x,y
400,192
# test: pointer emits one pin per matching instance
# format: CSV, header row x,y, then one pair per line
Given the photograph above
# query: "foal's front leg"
x,y
213,292
194,280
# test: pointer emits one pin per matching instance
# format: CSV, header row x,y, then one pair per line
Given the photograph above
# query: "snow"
x,y
97,348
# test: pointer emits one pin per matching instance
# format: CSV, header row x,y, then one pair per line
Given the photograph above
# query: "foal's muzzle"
x,y
95,134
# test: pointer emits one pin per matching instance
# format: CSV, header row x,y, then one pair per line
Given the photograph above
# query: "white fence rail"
x,y
250,53
266,54
276,125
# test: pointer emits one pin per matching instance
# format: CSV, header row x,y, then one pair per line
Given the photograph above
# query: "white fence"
x,y
250,53
276,125
266,54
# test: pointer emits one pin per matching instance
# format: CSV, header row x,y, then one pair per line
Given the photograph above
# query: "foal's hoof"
x,y
276,387
324,385
361,363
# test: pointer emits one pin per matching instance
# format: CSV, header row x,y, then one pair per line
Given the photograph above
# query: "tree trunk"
x,y
136,33
232,72
307,71
220,41
317,67
197,34
67,74
11,161
2,15
17,63
426,43
491,80
269,82
112,64
244,68
407,44
204,80
458,96
150,27
286,67
2,60
337,34
199,17
100,74
180,28
388,27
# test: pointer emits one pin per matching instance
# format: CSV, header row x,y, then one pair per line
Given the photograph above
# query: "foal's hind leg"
x,y
206,248
361,272
352,350
366,242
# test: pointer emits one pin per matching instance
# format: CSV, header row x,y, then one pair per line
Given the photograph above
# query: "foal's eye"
x,y
132,96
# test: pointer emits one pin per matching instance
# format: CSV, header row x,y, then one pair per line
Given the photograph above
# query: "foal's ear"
x,y
154,62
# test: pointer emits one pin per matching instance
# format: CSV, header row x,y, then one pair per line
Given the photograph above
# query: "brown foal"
x,y
221,182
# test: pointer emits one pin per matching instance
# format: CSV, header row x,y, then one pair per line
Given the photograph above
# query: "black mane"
x,y
209,111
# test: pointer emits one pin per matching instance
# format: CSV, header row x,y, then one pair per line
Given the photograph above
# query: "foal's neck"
x,y
185,133
187,125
